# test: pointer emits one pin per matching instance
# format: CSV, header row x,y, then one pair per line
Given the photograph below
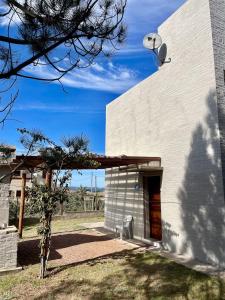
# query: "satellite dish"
x,y
152,41
162,54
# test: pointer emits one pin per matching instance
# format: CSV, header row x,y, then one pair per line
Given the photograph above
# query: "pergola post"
x,y
22,204
48,178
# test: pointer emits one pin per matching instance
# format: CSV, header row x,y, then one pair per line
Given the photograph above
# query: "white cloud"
x,y
142,16
109,78
97,67
125,75
59,108
110,64
130,50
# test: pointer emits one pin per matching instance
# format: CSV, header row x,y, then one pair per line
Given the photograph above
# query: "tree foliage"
x,y
55,160
31,141
46,200
33,31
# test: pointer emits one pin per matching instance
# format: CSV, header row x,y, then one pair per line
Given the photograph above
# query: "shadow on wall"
x,y
123,199
201,195
169,235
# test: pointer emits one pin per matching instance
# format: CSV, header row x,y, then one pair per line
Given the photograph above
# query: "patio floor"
x,y
73,247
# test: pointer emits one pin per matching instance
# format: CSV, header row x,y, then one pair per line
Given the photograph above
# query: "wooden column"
x,y
61,208
48,178
22,204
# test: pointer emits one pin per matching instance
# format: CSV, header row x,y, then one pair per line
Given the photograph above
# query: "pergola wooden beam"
x,y
105,162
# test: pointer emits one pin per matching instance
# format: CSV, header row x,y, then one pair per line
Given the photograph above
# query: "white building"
x,y
177,114
15,184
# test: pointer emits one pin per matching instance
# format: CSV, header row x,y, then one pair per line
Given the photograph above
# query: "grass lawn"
x,y
30,228
126,275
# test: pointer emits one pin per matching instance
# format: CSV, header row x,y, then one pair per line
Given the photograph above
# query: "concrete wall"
x,y
174,114
4,196
8,248
121,185
124,196
8,236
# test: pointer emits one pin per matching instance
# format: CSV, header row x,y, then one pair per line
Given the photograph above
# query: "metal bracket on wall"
x,y
161,59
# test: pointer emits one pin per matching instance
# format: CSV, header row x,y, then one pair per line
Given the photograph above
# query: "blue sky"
x,y
80,109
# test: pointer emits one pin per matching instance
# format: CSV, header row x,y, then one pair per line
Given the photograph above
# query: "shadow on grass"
x,y
90,262
139,276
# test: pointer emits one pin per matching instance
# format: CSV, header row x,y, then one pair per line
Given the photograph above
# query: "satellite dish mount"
x,y
153,42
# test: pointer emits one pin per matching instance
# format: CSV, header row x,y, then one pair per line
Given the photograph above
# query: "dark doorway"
x,y
154,184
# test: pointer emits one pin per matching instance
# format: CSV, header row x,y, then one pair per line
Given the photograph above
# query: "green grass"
x,y
30,228
127,275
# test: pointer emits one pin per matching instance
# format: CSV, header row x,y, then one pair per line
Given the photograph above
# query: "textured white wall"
x,y
173,114
119,186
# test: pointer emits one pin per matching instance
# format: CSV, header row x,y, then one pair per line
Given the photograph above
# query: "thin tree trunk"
x,y
46,235
48,244
45,245
42,268
61,209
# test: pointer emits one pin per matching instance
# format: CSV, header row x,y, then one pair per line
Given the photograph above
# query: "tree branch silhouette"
x,y
82,29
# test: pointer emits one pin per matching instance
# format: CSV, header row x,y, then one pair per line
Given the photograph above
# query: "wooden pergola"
x,y
104,162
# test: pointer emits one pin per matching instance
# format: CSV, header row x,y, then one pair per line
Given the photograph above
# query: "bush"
x,y
75,203
79,202
13,209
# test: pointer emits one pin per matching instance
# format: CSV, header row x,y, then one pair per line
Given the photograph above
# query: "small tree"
x,y
56,190
47,199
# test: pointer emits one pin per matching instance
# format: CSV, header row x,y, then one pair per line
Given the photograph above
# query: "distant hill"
x,y
74,188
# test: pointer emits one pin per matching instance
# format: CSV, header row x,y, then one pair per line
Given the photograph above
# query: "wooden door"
x,y
154,184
